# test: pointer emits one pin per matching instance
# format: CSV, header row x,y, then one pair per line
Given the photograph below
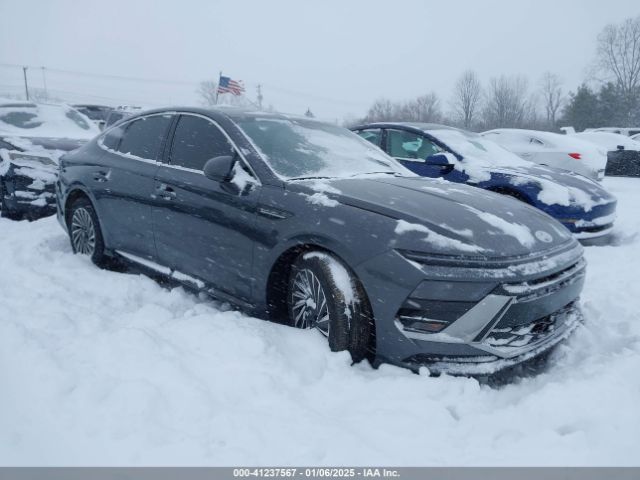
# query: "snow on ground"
x,y
105,368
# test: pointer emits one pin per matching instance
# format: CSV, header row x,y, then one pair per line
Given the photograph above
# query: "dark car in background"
x,y
438,151
120,112
623,153
307,223
97,113
32,138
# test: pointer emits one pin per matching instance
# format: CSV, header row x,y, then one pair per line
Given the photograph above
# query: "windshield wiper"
x,y
374,173
309,178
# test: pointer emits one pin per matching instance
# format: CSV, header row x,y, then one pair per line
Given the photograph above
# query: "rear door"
x,y
124,182
203,228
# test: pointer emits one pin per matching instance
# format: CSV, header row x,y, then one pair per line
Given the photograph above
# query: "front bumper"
x,y
494,317
29,191
596,223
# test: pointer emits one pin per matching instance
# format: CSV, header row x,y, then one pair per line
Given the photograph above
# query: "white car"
x,y
545,148
609,141
627,132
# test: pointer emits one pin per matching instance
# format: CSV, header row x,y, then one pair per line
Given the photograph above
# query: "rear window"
x,y
143,137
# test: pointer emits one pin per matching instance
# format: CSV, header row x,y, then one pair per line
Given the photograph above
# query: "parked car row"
x,y
406,243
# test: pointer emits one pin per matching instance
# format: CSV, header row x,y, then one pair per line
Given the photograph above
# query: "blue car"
x,y
437,151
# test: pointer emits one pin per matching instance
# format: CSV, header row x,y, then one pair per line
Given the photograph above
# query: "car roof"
x,y
415,125
232,113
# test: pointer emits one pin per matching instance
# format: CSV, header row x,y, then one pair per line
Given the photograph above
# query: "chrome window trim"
x,y
231,142
176,167
125,122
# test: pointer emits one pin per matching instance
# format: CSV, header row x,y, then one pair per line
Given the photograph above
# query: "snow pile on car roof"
x,y
23,119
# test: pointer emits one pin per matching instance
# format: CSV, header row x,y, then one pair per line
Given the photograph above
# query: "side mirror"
x,y
438,160
219,168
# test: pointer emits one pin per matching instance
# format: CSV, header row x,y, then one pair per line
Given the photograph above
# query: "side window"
x,y
143,137
535,141
373,135
197,140
112,138
408,145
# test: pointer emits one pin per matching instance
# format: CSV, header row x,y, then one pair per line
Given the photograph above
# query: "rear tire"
x,y
4,209
85,233
324,294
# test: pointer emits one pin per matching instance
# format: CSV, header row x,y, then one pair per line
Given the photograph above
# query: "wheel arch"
x,y
278,280
73,194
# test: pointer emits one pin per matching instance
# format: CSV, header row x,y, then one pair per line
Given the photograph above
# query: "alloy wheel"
x,y
309,301
83,232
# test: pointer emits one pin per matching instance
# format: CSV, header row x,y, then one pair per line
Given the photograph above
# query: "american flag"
x,y
226,85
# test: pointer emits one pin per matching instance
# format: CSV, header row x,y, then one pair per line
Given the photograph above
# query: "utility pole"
x,y
26,85
259,88
44,81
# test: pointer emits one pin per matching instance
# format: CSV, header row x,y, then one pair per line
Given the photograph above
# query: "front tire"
x,y
85,233
324,294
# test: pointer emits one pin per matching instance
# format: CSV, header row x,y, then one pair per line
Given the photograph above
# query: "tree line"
x,y
611,96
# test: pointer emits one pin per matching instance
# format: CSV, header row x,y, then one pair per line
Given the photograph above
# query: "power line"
x,y
103,75
274,88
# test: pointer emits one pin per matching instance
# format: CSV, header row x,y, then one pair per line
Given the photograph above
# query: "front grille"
x,y
506,338
547,284
595,228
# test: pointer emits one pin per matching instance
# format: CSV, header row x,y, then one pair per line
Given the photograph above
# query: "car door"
x,y
203,228
124,182
411,149
373,135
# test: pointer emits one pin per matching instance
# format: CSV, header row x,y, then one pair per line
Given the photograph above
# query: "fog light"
x,y
422,324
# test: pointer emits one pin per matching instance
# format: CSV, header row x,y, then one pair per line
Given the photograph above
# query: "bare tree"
x,y
207,92
381,110
466,97
551,92
507,103
425,108
618,54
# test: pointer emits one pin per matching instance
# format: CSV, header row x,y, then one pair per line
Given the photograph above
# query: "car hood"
x,y
556,186
46,143
447,218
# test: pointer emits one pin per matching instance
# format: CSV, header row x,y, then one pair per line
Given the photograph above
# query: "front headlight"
x,y
24,158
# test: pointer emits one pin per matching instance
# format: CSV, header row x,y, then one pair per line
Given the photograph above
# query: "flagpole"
x,y
218,86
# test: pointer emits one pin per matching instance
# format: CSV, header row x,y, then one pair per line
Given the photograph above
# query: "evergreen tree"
x,y
582,110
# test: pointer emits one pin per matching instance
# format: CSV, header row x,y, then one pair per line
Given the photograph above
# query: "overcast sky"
x,y
334,57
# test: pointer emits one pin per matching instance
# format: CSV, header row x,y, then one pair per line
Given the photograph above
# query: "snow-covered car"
x,y
305,222
552,149
623,152
438,151
97,113
120,112
32,138
626,131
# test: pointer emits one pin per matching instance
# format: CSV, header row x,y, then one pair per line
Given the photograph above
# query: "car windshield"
x,y
44,120
299,148
478,150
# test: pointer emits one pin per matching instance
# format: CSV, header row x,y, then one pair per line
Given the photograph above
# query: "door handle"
x,y
165,192
101,176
